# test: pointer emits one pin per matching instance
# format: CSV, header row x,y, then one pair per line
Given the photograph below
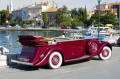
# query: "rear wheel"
x,y
105,54
55,60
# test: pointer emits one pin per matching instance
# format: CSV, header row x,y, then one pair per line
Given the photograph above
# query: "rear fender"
x,y
102,45
44,60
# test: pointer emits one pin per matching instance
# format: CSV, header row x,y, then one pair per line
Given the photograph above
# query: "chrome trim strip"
x,y
20,62
86,56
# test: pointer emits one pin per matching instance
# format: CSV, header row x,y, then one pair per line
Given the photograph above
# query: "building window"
x,y
101,7
115,11
24,13
33,11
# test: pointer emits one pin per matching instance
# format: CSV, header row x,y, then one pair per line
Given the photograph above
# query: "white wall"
x,y
44,8
106,7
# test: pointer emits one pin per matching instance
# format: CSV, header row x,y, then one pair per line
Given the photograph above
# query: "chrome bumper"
x,y
20,62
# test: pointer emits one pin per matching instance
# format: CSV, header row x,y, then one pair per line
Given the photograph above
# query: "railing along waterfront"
x,y
39,29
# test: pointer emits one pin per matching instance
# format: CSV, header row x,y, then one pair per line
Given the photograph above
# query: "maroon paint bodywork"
x,y
38,53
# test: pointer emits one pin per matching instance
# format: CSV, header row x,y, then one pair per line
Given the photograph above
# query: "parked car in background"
x,y
4,26
23,26
45,27
64,27
74,27
118,41
17,26
9,26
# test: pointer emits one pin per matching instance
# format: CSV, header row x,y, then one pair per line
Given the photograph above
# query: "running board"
x,y
80,58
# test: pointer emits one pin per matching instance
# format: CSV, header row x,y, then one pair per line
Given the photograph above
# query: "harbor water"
x,y
10,37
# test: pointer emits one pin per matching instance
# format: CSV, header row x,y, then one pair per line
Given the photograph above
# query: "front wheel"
x,y
55,60
105,54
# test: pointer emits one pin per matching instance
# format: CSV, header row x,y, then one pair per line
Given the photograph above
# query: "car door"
x,y
79,48
67,47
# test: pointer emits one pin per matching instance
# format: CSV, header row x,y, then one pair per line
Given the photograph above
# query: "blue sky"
x,y
69,3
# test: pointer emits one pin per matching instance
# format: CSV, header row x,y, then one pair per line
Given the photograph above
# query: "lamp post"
x,y
119,16
0,19
98,16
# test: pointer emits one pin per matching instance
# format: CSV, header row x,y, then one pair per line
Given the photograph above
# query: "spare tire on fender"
x,y
92,46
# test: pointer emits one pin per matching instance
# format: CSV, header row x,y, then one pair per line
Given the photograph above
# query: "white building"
x,y
52,14
17,14
47,5
33,12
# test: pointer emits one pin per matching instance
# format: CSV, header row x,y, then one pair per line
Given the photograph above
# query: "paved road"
x,y
93,69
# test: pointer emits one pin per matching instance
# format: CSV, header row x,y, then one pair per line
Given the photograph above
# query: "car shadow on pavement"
x,y
95,58
27,68
75,62
33,68
115,45
81,61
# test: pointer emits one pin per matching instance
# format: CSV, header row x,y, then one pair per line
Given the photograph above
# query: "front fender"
x,y
47,53
101,46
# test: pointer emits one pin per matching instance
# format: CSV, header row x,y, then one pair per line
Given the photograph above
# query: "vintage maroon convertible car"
x,y
39,51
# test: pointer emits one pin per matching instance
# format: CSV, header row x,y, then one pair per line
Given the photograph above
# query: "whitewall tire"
x,y
55,60
105,54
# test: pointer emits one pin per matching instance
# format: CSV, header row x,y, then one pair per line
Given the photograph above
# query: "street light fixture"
x,y
98,16
118,15
0,19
